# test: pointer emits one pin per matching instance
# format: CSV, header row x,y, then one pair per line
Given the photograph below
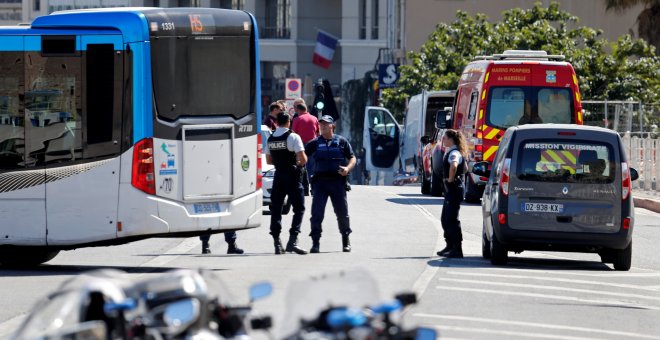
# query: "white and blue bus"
x,y
123,124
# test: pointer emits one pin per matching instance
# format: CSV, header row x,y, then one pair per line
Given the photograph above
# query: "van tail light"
x,y
143,166
259,151
625,224
626,183
501,218
505,177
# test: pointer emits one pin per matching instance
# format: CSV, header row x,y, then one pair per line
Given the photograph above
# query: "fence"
x,y
637,123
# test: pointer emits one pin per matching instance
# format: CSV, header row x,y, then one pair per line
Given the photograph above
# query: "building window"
x,y
37,5
278,20
363,19
374,19
232,4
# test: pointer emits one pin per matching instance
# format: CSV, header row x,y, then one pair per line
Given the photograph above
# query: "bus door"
x,y
82,155
381,139
22,176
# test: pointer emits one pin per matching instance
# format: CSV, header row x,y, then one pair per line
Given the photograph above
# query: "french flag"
x,y
324,50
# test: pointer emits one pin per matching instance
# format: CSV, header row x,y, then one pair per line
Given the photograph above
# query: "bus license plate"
x,y
543,207
205,208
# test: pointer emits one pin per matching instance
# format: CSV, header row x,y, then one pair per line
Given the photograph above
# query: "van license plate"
x,y
543,207
205,208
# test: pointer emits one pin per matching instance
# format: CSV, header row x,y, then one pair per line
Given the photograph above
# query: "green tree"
x,y
629,70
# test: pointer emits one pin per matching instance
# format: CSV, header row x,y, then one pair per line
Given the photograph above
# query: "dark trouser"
x,y
286,183
336,190
230,237
449,217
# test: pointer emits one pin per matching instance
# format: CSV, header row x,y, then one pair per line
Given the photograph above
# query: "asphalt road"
x,y
396,234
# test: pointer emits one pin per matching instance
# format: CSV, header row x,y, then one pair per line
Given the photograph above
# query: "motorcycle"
x,y
345,305
187,304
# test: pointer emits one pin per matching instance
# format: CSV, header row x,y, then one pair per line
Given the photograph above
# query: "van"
x,y
558,187
510,89
419,154
380,142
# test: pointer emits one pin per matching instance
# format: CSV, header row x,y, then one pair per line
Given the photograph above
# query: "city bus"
x,y
124,124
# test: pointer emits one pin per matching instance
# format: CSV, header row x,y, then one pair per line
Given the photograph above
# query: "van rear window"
x,y
511,106
566,162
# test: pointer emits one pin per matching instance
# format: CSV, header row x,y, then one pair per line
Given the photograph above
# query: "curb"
x,y
647,203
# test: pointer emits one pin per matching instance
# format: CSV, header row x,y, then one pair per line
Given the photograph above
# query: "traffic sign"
x,y
388,74
293,88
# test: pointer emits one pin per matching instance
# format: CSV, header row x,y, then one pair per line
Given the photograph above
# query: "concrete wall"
x,y
423,15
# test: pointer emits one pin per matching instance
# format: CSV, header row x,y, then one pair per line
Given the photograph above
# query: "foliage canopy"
x,y
621,70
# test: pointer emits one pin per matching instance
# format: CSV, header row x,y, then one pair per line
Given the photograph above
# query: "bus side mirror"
x,y
481,169
441,121
425,140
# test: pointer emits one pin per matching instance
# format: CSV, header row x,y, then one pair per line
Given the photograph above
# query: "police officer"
x,y
230,238
285,150
333,160
453,166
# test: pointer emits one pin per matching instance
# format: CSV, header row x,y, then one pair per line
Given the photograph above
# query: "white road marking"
x,y
8,327
525,335
553,279
550,297
574,273
557,288
534,324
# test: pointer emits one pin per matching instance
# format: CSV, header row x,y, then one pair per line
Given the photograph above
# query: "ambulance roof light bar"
x,y
522,55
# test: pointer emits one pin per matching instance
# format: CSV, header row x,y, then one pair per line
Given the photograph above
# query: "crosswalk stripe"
x,y
534,324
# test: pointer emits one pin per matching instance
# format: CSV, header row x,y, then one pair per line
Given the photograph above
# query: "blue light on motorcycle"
x,y
346,317
127,304
387,307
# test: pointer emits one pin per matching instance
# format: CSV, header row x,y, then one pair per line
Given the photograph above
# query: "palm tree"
x,y
648,21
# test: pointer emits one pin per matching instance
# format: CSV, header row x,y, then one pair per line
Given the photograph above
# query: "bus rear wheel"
x,y
12,256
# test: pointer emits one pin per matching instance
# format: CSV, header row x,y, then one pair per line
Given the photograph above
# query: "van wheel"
x,y
25,256
426,184
485,244
436,185
623,258
499,256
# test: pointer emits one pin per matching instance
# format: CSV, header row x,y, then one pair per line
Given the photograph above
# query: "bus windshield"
x,y
511,106
202,76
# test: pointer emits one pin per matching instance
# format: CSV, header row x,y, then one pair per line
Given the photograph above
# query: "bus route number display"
x,y
201,24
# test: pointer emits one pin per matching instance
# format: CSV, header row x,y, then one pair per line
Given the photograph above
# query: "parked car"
x,y
558,187
268,173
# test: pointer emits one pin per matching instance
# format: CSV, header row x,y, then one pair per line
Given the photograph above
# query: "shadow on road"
x,y
48,270
427,200
522,263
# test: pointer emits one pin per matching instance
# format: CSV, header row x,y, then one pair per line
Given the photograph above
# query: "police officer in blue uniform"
x,y
334,160
230,238
453,166
285,150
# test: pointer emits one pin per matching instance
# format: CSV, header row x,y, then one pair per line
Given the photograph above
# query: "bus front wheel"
x,y
12,256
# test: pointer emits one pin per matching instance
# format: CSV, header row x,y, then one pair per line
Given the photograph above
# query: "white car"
x,y
268,173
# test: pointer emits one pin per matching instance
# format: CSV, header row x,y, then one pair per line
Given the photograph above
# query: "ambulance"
x,y
513,88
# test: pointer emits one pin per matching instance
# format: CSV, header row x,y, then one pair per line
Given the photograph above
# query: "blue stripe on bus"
x,y
102,39
11,43
257,72
142,110
33,43
132,24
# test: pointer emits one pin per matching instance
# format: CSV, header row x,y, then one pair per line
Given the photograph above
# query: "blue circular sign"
x,y
293,85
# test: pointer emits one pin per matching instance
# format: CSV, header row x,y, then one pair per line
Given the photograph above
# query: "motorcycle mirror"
x,y
424,333
180,314
260,290
406,298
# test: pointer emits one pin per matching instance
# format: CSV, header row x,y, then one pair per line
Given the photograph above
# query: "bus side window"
x,y
12,130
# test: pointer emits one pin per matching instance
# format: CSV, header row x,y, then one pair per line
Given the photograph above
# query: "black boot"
x,y
292,246
446,249
278,246
232,248
456,252
316,246
346,244
205,247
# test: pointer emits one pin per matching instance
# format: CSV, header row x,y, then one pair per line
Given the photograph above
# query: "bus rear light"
x,y
501,218
143,166
626,183
119,226
625,224
505,177
259,165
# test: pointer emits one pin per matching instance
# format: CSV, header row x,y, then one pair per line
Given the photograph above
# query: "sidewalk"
x,y
646,199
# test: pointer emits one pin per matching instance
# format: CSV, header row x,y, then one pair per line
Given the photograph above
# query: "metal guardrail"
x,y
643,155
